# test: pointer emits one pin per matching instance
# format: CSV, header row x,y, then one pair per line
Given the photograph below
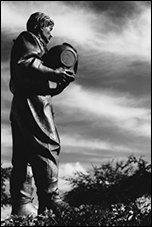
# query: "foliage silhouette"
x,y
112,183
115,194
5,197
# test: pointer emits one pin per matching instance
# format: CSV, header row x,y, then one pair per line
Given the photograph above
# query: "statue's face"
x,y
46,33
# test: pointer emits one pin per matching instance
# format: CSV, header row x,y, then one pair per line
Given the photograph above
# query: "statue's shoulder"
x,y
26,35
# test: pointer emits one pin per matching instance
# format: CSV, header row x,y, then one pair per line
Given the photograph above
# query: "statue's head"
x,y
40,24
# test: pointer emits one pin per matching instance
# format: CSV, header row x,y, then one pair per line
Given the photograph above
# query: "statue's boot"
x,y
26,209
52,201
21,193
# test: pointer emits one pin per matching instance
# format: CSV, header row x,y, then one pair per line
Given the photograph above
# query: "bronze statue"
x,y
36,142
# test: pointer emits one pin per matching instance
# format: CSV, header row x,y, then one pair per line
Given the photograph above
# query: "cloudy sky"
x,y
106,112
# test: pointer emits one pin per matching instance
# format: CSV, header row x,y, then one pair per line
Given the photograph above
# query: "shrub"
x,y
115,194
112,183
5,174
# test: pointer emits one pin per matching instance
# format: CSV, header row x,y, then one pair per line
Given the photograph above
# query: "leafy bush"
x,y
115,194
87,215
112,183
5,174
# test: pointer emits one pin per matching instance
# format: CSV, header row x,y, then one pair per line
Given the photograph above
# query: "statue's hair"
x,y
37,21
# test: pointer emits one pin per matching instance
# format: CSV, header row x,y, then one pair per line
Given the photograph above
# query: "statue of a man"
x,y
34,135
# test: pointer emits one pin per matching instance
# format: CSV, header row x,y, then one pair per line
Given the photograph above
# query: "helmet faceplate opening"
x,y
68,58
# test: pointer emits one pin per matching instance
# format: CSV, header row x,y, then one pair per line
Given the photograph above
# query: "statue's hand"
x,y
64,75
70,74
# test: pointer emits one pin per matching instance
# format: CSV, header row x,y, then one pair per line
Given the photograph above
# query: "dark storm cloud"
x,y
119,8
117,11
116,74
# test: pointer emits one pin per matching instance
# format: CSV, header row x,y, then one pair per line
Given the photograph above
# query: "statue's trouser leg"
x,y
21,180
44,162
45,170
